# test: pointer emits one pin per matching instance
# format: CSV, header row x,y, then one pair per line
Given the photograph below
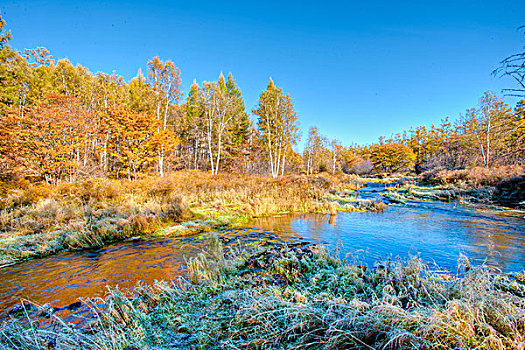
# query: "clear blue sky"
x,y
356,69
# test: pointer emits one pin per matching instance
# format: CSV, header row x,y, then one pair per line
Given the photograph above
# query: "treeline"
x,y
487,135
60,122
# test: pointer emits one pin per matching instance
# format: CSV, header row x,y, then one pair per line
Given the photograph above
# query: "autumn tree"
x,y
7,98
391,157
42,65
134,140
164,77
350,159
14,74
49,139
337,155
109,91
277,124
516,134
316,154
485,126
140,95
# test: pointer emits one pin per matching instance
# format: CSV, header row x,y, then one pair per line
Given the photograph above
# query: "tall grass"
x,y
292,297
475,185
476,176
37,219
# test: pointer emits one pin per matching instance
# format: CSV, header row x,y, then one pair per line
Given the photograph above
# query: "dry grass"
x,y
40,219
473,176
292,297
475,185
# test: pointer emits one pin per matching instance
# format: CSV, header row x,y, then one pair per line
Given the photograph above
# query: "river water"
x,y
437,231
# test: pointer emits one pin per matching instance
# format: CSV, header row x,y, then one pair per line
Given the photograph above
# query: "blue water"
x,y
438,231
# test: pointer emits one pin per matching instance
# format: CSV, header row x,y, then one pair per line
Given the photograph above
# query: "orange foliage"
x,y
134,140
47,138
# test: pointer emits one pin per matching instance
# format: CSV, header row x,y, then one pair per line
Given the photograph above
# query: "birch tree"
x,y
336,153
486,125
219,107
164,77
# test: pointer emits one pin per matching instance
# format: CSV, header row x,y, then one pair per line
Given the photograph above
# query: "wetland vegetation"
x,y
41,219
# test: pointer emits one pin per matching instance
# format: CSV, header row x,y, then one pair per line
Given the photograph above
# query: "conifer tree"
x,y
277,124
240,121
193,131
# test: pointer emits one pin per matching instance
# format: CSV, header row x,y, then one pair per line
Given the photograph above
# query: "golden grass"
x,y
38,219
473,176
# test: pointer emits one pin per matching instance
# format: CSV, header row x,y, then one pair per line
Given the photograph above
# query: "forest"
x,y
61,122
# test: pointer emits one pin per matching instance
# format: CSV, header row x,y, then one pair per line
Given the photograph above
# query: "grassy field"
x,y
37,219
477,176
298,297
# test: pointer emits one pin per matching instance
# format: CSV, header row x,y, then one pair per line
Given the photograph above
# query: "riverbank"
x,y
292,297
37,219
503,186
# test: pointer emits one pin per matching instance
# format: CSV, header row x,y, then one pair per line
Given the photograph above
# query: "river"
x,y
437,231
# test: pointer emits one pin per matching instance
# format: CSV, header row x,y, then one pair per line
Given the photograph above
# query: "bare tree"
x,y
514,66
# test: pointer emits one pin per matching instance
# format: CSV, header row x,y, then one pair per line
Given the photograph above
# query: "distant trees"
x,y
488,134
391,157
59,121
127,123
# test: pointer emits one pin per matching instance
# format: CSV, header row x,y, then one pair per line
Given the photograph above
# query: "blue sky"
x,y
355,69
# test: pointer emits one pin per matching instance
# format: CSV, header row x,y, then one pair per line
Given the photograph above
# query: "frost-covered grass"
x,y
37,219
296,297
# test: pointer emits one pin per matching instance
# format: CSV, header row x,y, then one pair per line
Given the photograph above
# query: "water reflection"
x,y
62,279
438,231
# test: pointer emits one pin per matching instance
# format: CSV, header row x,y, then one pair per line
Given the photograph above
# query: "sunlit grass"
x,y
473,176
292,297
37,219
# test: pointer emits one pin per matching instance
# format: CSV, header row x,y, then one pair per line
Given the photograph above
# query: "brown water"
x,y
438,231
64,278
